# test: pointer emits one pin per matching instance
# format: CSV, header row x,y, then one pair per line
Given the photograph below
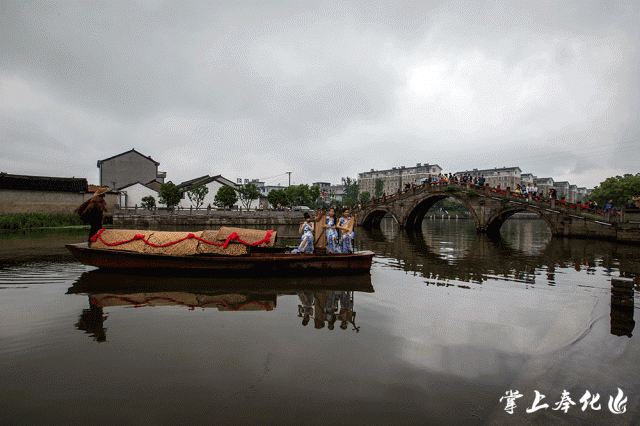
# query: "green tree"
x,y
225,197
148,203
291,192
335,202
314,194
247,193
301,195
351,191
196,194
379,189
278,196
450,206
620,189
365,197
169,195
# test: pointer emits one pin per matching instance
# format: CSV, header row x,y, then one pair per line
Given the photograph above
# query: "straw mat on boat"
x,y
233,249
247,235
116,235
183,248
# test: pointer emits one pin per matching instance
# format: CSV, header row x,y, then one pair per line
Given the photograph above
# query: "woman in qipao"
x,y
306,243
332,234
346,240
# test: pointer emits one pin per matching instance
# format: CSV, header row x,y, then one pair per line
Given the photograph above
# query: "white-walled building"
x,y
132,195
214,183
527,179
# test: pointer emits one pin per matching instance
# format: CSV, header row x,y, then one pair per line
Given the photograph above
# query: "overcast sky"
x,y
321,89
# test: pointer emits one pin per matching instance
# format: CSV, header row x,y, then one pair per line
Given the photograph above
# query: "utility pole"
x,y
289,173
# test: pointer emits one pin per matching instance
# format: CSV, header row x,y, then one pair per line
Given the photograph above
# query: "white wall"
x,y
135,194
208,199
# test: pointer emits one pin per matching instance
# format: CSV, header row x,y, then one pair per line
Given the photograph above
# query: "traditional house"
x,y
213,183
131,195
128,168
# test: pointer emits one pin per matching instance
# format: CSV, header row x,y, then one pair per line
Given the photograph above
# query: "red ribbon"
x,y
233,236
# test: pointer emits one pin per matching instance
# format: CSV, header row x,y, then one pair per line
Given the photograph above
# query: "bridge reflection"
x,y
469,257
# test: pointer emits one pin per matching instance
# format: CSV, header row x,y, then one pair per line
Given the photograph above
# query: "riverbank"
x,y
38,220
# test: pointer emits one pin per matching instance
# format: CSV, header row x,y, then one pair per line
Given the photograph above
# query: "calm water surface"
x,y
447,322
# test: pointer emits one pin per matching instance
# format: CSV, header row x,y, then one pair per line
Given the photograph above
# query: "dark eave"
x,y
131,150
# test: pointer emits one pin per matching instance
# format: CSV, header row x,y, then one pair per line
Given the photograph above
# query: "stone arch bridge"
x,y
490,208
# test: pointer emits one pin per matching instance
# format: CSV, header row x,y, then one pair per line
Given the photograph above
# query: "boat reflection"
x,y
325,299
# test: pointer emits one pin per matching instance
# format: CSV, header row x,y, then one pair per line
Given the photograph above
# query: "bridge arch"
x,y
373,217
496,221
419,208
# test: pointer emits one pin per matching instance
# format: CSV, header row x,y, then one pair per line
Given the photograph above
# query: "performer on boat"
x,y
306,243
346,240
92,211
332,233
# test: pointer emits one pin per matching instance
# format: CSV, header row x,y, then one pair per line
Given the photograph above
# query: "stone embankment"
x,y
213,219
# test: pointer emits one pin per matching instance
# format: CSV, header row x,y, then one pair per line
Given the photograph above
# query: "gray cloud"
x,y
324,89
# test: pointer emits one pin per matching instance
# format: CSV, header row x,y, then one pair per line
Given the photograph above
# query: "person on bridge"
x,y
609,206
518,190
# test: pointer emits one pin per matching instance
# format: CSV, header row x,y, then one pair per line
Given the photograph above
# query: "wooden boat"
x,y
260,259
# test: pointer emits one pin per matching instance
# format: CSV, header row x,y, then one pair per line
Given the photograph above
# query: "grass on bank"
x,y
38,220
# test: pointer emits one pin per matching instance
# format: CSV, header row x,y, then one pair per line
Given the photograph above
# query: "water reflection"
x,y
622,322
91,321
329,307
474,257
534,261
328,300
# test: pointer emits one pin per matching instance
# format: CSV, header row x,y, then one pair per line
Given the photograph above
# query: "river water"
x,y
446,327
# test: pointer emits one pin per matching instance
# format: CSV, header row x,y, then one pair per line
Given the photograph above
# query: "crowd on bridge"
x,y
528,191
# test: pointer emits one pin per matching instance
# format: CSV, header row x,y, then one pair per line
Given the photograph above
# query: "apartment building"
x,y
505,177
544,185
396,177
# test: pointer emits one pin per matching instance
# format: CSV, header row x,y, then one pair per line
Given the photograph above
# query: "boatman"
x,y
92,211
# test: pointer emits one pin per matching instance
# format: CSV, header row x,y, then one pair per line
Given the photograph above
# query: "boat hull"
x,y
118,259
